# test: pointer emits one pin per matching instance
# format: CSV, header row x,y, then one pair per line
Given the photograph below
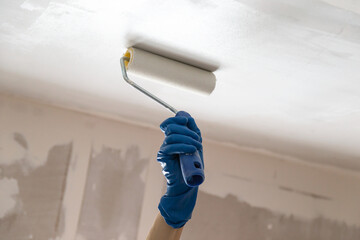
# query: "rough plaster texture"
x,y
113,195
49,160
287,79
228,218
38,212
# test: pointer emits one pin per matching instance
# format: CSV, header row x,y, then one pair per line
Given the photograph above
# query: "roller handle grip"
x,y
191,165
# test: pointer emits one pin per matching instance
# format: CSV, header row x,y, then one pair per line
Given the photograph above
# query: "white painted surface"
x,y
8,191
288,77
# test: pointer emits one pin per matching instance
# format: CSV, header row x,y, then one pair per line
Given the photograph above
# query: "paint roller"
x,y
153,67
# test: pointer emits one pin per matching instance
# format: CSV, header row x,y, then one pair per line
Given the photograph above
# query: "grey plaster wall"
x,y
66,175
38,213
228,218
71,176
113,195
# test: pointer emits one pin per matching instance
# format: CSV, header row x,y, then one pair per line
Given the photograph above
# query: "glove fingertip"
x,y
192,125
192,149
173,120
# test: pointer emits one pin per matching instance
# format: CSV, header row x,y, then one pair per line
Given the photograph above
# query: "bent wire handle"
x,y
191,166
126,78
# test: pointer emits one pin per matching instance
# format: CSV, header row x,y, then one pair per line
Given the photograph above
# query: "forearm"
x,y
162,231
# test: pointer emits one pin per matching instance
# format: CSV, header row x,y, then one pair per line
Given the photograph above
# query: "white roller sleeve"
x,y
153,67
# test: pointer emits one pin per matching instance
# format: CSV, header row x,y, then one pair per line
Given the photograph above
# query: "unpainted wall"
x,y
65,175
113,195
36,211
256,194
68,175
229,218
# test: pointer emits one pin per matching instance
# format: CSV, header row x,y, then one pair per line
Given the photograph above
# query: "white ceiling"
x,y
288,77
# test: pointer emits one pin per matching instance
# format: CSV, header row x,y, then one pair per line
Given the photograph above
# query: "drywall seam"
x,y
75,182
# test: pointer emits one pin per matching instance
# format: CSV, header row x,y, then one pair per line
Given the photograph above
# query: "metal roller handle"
x,y
191,165
155,98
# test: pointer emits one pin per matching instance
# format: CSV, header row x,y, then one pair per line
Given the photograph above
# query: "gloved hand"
x,y
181,136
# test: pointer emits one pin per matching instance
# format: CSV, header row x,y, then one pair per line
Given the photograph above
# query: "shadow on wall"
x,y
228,218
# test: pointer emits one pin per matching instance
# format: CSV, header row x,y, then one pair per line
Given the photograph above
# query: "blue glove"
x,y
181,136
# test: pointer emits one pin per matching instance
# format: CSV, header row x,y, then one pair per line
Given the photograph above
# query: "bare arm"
x,y
162,231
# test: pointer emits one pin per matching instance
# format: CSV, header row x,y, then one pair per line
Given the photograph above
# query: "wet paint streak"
x,y
229,218
308,194
19,138
238,177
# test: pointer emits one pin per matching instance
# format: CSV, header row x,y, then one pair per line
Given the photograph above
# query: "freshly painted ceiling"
x,y
288,72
